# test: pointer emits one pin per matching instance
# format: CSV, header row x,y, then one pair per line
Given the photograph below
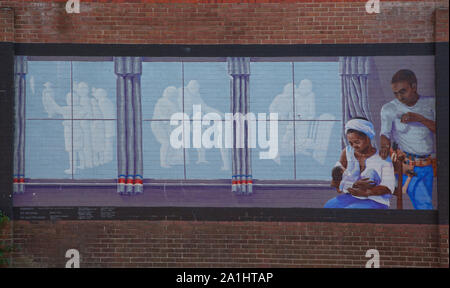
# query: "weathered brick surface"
x,y
288,22
227,244
443,244
441,28
6,25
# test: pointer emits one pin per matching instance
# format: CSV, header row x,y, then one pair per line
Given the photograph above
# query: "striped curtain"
x,y
355,90
20,73
129,125
239,71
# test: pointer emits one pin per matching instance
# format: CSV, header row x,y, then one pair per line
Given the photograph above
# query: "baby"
x,y
342,179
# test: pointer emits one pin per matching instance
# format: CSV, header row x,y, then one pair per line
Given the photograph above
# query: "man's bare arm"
x,y
414,117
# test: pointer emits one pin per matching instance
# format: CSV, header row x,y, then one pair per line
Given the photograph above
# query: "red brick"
x,y
224,246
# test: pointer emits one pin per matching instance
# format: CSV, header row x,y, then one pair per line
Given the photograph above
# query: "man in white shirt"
x,y
409,122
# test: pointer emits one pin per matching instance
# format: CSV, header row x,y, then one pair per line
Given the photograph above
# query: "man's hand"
x,y
411,117
414,117
398,155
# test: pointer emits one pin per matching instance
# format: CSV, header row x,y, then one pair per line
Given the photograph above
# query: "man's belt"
x,y
410,161
416,160
419,162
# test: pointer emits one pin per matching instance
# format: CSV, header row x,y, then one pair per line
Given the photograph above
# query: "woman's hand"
x,y
362,187
359,192
365,184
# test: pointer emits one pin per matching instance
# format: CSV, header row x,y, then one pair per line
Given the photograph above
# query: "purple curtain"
x,y
355,90
239,71
129,125
20,72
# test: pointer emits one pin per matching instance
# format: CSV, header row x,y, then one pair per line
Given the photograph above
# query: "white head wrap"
x,y
361,125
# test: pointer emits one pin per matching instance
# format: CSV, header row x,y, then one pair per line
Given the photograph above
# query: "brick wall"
x,y
441,28
290,22
6,24
230,244
227,244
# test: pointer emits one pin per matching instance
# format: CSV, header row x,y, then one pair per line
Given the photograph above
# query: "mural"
x,y
89,144
327,132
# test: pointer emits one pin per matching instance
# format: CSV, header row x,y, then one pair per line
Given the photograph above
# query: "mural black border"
x,y
6,125
158,50
442,129
440,216
227,214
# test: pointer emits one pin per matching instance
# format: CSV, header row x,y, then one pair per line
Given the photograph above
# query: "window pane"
x,y
160,88
208,162
47,90
47,152
94,149
317,90
94,86
161,160
271,88
318,147
280,167
317,97
206,84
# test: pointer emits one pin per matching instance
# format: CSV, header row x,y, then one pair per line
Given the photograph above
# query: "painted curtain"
x,y
129,124
239,71
355,73
20,72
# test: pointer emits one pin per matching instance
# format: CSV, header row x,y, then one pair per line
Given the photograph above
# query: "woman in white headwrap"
x,y
361,175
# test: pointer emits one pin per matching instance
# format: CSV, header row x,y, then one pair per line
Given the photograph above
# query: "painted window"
x,y
306,96
74,137
70,120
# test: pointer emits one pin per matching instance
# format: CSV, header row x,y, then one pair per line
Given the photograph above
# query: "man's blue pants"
x,y
420,189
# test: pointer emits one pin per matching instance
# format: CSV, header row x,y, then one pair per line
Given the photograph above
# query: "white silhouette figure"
x,y
192,97
305,109
165,107
97,133
32,85
48,100
82,90
51,107
282,104
74,146
90,141
107,111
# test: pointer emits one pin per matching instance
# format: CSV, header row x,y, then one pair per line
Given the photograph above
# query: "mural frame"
x,y
439,50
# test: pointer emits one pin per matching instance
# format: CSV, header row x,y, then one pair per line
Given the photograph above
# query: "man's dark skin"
x,y
406,94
